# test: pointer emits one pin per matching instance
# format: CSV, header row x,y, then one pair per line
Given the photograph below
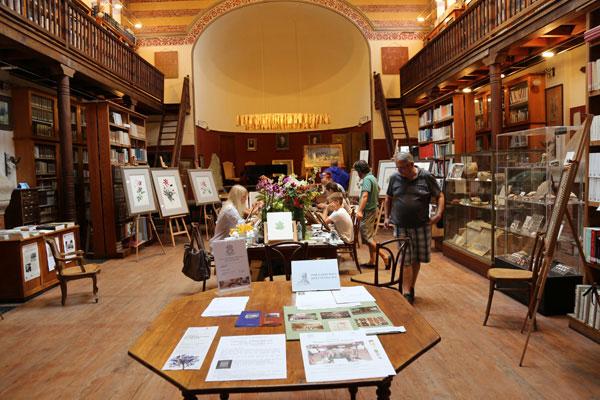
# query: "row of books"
x,y
139,154
595,128
119,137
594,189
42,102
137,131
591,244
428,134
439,168
42,129
519,115
431,115
44,116
44,152
116,118
436,150
120,156
519,95
76,156
587,309
45,167
47,184
593,75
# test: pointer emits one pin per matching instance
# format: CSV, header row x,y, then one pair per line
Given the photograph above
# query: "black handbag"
x,y
196,262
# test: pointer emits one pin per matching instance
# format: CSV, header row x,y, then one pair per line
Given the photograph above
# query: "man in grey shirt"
x,y
410,191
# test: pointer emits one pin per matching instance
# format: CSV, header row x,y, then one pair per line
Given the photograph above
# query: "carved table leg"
x,y
383,390
353,390
188,395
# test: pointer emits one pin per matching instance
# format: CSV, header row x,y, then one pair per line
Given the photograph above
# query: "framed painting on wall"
x,y
314,138
169,191
321,155
386,169
288,163
203,186
251,144
554,106
6,122
139,192
577,115
282,141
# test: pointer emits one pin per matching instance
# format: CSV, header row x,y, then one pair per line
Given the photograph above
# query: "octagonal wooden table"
x,y
156,344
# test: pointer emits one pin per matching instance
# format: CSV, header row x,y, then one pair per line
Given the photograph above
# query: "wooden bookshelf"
x,y
111,141
525,103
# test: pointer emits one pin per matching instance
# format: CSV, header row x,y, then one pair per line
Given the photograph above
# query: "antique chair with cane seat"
x,y
351,247
387,277
286,252
66,274
512,276
229,172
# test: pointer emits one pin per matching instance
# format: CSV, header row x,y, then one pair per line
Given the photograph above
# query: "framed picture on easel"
x,y
203,186
355,186
386,169
169,192
139,192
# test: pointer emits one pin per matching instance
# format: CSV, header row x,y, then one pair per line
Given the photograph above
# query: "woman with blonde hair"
x,y
232,213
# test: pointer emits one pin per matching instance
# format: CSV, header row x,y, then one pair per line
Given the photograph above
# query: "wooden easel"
x,y
137,243
206,217
179,231
379,213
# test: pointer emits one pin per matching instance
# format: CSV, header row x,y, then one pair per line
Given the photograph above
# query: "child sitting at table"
x,y
339,217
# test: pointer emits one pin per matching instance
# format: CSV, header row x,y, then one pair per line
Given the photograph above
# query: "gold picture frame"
x,y
321,155
288,163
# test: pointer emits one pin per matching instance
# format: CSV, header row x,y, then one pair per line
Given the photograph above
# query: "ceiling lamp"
x,y
548,54
138,25
118,6
467,90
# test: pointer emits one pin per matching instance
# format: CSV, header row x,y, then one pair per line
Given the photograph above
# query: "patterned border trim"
x,y
226,6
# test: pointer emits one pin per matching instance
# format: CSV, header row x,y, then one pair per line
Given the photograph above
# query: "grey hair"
x,y
404,156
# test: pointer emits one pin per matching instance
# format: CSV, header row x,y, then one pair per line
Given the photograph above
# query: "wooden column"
x,y
68,208
494,62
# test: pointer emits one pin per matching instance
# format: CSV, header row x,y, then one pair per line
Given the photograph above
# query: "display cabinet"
x,y
526,181
469,233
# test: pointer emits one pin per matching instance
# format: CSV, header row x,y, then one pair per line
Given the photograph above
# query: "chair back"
x,y
60,265
286,252
228,170
397,260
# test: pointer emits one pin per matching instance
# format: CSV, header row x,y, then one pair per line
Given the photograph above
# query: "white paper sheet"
x,y
50,258
315,275
321,299
343,355
31,261
383,330
249,357
226,306
191,350
352,294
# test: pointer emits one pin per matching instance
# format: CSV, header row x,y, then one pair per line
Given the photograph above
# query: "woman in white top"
x,y
339,217
231,213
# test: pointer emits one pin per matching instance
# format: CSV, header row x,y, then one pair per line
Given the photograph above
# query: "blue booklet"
x,y
248,318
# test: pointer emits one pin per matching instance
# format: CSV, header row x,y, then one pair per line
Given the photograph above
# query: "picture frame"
x,y
355,186
251,144
203,186
279,227
314,138
282,141
385,170
139,190
554,106
169,192
577,115
6,118
516,142
424,164
456,170
321,155
288,163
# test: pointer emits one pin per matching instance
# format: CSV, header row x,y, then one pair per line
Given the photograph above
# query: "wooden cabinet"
x,y
483,121
446,126
20,276
24,208
115,135
525,103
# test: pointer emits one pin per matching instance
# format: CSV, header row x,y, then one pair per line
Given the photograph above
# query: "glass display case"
x,y
526,182
469,208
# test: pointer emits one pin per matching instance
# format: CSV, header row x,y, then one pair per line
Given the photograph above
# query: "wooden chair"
x,y
286,252
351,247
393,276
66,274
509,275
229,171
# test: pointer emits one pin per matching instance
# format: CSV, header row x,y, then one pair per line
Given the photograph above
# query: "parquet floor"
x,y
80,351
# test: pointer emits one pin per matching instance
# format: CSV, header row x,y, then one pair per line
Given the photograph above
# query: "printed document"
x,y
191,349
225,306
352,294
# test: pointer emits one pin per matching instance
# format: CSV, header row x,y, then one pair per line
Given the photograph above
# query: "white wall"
x,y
7,144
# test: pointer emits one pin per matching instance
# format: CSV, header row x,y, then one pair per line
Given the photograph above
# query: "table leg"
x,y
383,390
353,390
188,395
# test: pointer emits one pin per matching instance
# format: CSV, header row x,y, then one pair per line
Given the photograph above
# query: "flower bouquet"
x,y
240,230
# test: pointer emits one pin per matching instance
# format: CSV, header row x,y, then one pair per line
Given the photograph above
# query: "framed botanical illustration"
x,y
386,169
203,185
282,141
321,155
251,144
554,106
288,163
6,122
139,192
279,227
355,186
169,192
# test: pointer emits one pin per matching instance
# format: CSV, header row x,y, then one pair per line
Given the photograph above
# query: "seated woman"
x,y
339,217
231,213
331,188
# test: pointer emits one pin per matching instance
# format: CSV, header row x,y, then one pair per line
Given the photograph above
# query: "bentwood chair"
x,y
528,277
396,249
66,274
351,247
285,252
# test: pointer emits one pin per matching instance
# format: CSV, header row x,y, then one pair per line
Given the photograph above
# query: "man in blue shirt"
x,y
339,175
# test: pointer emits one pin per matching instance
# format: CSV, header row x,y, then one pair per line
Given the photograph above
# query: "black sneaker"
x,y
410,297
367,266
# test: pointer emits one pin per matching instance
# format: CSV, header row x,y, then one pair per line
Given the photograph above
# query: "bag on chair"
x,y
196,262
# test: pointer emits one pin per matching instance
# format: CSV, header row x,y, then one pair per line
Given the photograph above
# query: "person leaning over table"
x,y
231,213
339,217
326,179
409,192
367,211
331,188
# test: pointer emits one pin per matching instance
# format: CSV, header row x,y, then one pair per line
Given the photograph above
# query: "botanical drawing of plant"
x,y
183,360
168,190
205,189
279,225
139,191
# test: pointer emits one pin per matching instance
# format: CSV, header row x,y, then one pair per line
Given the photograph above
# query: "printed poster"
x,y
69,243
49,256
31,261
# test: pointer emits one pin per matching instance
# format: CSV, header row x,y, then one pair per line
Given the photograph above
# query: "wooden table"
x,y
156,344
314,250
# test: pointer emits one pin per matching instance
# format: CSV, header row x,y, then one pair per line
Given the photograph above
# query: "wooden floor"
x,y
80,351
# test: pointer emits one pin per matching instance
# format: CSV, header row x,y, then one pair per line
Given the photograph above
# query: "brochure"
x,y
308,275
248,319
191,350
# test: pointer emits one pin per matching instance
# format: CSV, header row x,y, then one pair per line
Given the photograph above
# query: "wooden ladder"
x,y
172,126
392,116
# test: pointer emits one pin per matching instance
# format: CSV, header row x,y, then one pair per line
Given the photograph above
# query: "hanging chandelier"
x,y
284,121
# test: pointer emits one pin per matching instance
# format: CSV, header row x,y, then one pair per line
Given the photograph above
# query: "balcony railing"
x,y
68,25
480,21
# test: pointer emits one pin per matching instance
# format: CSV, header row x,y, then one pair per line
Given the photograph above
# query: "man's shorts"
x,y
420,243
367,226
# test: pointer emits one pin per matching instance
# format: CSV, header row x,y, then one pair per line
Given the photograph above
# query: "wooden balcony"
x,y
485,28
62,30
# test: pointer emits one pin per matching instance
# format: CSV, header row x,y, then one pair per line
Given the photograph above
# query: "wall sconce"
x,y
549,72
